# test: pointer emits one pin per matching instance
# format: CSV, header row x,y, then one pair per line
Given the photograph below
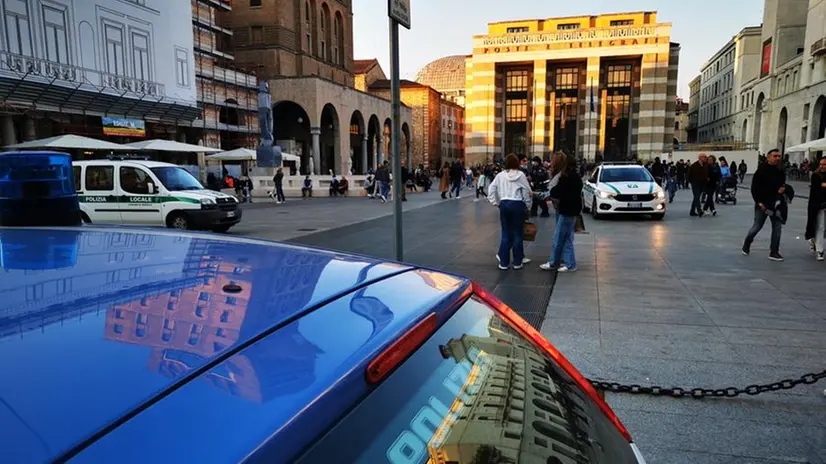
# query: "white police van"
x,y
150,193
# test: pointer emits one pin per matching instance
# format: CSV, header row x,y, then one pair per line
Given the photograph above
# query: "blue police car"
x,y
134,345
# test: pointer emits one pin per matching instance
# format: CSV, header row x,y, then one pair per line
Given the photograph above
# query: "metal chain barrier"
x,y
730,392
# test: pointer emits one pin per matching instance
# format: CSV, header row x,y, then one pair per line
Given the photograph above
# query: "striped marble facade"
x,y
589,43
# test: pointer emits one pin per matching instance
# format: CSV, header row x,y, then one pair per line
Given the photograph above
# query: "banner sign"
x,y
570,36
123,127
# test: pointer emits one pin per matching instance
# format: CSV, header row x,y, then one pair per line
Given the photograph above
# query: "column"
x,y
590,118
539,129
653,105
364,166
316,134
379,146
29,130
7,129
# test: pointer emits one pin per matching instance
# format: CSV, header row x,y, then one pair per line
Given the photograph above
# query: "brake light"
x,y
399,351
533,335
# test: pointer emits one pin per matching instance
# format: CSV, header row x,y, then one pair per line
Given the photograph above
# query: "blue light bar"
x,y
22,249
37,189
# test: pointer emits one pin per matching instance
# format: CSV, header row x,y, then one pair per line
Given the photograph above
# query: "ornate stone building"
x,y
305,49
595,86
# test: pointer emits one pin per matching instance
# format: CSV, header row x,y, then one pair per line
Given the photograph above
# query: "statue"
x,y
266,154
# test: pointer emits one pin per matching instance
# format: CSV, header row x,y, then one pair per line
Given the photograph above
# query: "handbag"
x,y
528,231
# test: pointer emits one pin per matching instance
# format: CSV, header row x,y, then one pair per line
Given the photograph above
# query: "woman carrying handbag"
x,y
511,192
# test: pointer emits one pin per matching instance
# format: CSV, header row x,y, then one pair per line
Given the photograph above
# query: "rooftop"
x,y
363,66
603,15
444,74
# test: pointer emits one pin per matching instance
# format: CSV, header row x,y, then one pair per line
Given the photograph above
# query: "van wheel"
x,y
85,218
221,229
178,221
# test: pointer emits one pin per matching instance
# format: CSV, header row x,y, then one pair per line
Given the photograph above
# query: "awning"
x,y
814,145
71,141
169,145
245,154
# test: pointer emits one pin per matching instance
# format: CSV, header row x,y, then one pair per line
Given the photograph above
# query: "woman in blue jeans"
x,y
568,193
511,192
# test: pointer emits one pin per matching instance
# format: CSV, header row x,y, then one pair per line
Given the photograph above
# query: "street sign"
x,y
399,10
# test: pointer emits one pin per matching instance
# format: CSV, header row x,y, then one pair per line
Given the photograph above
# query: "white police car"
x,y
623,189
150,193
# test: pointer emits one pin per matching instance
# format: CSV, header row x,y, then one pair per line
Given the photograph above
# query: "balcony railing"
x,y
25,67
229,76
819,47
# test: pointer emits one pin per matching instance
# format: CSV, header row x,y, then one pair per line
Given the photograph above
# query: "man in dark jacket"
x,y
539,177
658,171
768,183
698,178
816,217
405,177
383,181
278,180
682,171
456,174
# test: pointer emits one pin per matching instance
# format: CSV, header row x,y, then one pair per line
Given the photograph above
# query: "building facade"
x,y
693,109
304,49
785,104
424,103
681,123
453,131
68,67
721,79
600,87
227,95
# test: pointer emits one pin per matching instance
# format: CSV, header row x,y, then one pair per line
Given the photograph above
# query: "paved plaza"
x,y
669,303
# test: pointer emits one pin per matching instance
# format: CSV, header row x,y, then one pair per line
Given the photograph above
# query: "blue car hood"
x,y
95,322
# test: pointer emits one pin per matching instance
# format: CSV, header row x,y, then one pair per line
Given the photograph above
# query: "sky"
x,y
446,27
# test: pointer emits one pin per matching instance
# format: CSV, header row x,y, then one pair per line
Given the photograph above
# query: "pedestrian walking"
x,y
511,192
278,180
539,183
714,180
742,169
568,196
383,181
698,178
444,180
767,185
816,221
480,186
456,175
682,174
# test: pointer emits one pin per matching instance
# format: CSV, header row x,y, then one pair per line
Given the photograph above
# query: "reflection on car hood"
x,y
95,321
630,187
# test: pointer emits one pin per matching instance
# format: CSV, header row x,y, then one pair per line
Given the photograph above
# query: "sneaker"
x,y
812,245
497,258
548,266
458,197
776,257
503,268
565,268
383,199
526,260
714,213
820,256
517,267
745,251
476,200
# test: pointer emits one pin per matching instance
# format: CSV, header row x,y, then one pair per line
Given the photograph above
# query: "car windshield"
x,y
176,178
625,175
475,392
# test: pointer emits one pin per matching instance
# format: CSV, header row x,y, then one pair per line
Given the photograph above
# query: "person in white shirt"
x,y
511,192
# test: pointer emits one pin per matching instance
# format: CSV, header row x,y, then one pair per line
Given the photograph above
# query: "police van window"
x,y
134,180
100,178
475,392
76,174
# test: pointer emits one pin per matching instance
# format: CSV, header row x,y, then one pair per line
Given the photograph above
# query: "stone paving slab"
x,y
675,303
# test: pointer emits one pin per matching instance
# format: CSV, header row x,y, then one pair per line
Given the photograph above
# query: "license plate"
x,y
231,214
635,205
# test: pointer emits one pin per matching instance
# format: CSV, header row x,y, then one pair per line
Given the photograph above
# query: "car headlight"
x,y
208,201
660,194
604,194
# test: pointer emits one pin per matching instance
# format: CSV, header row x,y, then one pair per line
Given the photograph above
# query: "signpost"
x,y
399,13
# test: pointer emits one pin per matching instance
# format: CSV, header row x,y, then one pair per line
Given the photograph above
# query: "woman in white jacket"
x,y
511,192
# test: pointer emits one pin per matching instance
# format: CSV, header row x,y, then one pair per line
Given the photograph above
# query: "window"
x,y
76,174
566,79
619,75
516,81
134,180
625,22
676,125
18,29
308,27
336,35
516,110
257,35
805,114
517,30
182,67
567,26
461,381
55,38
141,66
255,3
325,31
113,41
100,178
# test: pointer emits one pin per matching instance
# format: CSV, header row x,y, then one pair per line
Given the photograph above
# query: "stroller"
x,y
728,191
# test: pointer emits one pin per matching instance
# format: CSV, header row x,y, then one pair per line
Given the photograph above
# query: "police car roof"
x,y
142,344
145,163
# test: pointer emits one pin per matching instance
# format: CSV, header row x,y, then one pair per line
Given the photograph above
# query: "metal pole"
x,y
395,91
